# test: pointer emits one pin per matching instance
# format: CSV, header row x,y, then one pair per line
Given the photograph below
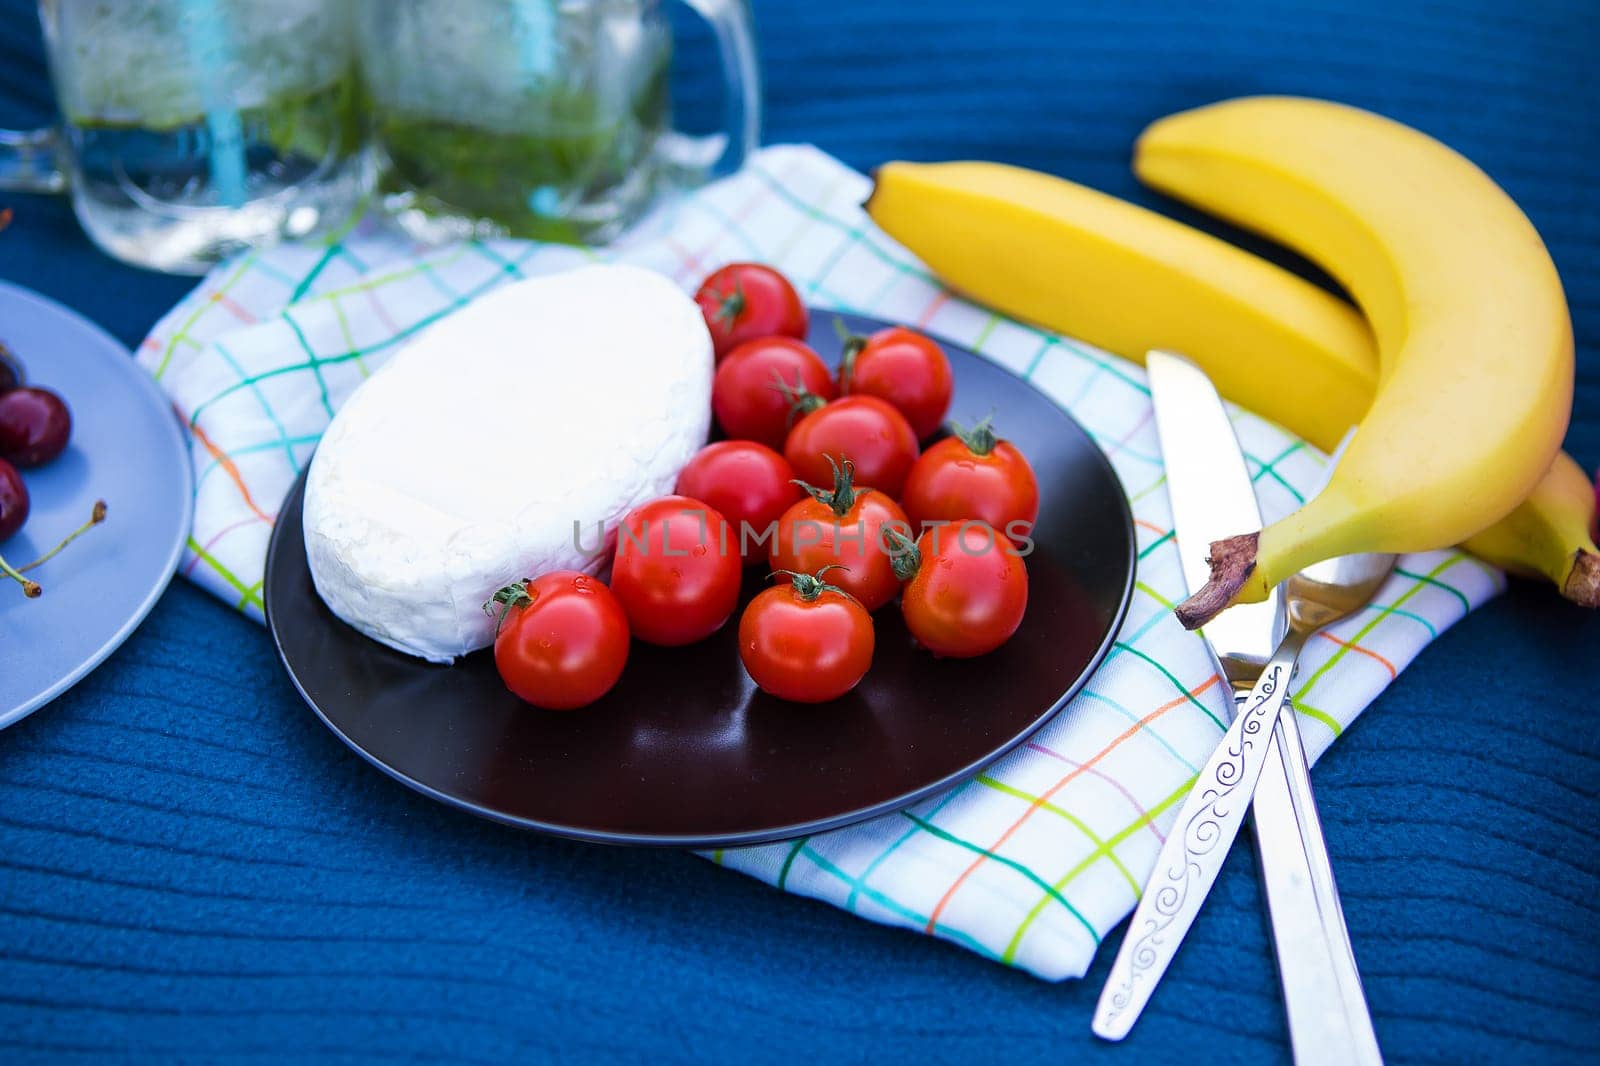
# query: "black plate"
x,y
685,751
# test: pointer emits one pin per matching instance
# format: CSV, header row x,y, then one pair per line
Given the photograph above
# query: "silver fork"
x,y
1192,857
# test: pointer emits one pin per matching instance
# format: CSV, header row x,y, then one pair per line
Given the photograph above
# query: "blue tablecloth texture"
x,y
192,868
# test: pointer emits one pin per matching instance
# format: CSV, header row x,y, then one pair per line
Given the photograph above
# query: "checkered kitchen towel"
x,y
1034,860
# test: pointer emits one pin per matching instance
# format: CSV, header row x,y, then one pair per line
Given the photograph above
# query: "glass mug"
x,y
193,128
546,119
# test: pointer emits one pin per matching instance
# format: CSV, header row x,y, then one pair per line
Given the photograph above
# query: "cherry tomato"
x,y
845,527
865,430
967,592
676,570
903,367
806,640
743,301
749,483
757,386
974,475
34,425
14,501
563,639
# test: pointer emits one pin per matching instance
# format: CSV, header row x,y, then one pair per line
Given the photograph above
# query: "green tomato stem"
x,y
809,587
731,304
980,439
850,347
904,557
802,401
844,493
510,596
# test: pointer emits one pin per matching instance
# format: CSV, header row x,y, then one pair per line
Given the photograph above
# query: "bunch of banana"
x,y
1462,387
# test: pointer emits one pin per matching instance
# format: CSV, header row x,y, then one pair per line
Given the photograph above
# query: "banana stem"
x,y
1233,563
1583,581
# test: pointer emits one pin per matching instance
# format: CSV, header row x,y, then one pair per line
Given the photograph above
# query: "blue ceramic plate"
x,y
127,449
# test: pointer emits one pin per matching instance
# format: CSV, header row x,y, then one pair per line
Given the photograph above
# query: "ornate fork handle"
x,y
1194,852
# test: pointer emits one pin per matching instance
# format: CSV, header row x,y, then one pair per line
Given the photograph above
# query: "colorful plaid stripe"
x,y
1030,863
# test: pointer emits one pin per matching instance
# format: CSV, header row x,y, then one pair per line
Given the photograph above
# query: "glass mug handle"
x,y
28,161
722,153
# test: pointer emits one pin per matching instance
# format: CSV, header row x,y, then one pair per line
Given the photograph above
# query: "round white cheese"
x,y
506,441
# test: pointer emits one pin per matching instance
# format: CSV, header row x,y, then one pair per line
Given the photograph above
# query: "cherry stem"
x,y
500,604
811,586
30,589
904,557
851,345
96,515
844,493
980,439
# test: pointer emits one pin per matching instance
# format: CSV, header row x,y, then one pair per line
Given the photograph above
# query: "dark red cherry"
x,y
11,375
13,500
34,425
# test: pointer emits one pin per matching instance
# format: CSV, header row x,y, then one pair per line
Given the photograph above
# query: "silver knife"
x,y
1212,494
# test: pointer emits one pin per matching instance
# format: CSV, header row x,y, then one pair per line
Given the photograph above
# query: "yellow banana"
x,y
1125,279
1548,534
1473,335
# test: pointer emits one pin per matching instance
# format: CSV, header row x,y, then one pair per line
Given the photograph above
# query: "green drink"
x,y
194,128
546,119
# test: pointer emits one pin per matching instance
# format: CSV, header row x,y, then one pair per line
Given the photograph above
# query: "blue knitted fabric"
x,y
191,867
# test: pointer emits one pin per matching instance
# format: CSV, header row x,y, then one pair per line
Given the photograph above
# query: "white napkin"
x,y
1033,861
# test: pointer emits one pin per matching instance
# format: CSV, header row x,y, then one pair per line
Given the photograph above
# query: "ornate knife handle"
x,y
1194,852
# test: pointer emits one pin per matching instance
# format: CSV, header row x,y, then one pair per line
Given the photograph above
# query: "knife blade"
x,y
1212,496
